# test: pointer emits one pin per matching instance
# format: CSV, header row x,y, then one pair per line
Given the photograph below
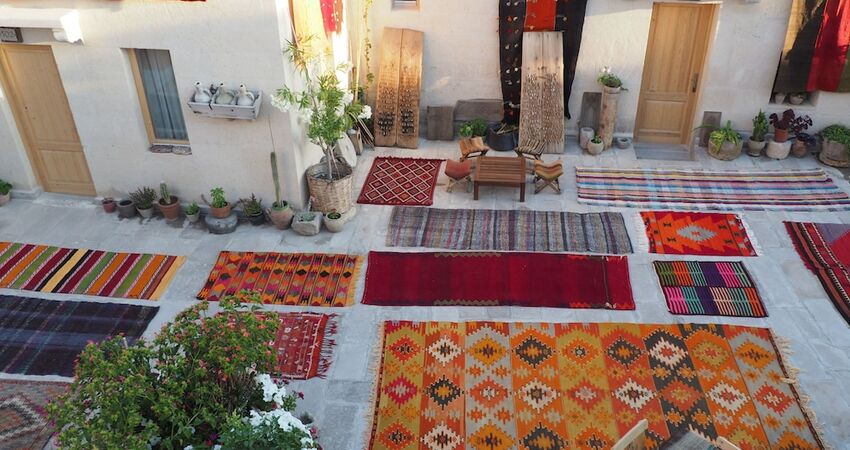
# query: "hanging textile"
x,y
309,23
542,102
815,55
518,16
332,15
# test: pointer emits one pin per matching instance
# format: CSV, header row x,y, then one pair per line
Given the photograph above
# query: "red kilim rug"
x,y
401,181
696,233
498,279
825,248
303,344
23,416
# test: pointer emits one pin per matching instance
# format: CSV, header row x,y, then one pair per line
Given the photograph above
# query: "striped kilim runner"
x,y
580,386
63,270
709,288
791,190
508,230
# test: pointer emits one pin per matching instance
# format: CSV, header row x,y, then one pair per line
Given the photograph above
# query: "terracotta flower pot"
x,y
109,205
799,148
780,135
281,217
170,211
221,213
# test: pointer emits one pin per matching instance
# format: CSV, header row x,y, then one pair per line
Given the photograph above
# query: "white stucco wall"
x,y
461,58
231,41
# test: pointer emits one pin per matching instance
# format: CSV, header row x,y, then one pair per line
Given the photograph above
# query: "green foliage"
x,y
143,197
164,194
610,80
218,199
724,134
479,127
837,133
759,127
193,209
252,206
267,434
596,139
180,389
465,130
5,187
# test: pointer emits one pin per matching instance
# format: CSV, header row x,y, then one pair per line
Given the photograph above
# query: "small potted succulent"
x,y
253,209
725,143
333,222
787,123
835,149
219,207
610,83
757,140
126,208
144,197
5,192
307,222
193,212
108,204
169,205
595,146
280,213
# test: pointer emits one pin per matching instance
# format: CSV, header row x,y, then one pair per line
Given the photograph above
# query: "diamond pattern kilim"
x,y
539,386
23,416
696,233
401,181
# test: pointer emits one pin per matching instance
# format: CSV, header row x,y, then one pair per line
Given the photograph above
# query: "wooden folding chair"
x,y
547,175
472,148
532,149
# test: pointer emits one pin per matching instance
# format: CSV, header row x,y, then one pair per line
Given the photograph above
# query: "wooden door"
x,y
44,118
675,55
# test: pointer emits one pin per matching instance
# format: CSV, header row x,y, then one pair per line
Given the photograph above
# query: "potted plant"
x,y
465,130
169,205
143,198
333,222
756,142
788,123
253,209
800,146
108,204
779,98
503,137
219,207
612,85
329,109
725,143
595,146
280,212
126,208
193,212
5,192
307,223
835,149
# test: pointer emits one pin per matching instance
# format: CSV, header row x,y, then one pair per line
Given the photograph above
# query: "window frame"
x,y
405,4
143,102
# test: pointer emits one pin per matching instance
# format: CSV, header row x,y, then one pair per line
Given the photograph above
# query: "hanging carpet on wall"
x,y
399,81
516,17
542,91
816,55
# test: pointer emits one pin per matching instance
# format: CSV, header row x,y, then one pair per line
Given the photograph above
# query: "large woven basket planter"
x,y
834,154
331,195
726,152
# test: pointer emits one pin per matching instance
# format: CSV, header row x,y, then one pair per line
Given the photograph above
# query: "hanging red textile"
x,y
540,15
829,64
332,15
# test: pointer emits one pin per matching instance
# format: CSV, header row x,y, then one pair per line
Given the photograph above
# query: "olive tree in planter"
x,y
5,192
835,150
330,111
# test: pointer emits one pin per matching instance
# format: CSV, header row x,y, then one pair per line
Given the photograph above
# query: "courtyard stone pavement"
x,y
798,307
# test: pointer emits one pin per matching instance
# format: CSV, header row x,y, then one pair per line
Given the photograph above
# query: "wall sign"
x,y
9,34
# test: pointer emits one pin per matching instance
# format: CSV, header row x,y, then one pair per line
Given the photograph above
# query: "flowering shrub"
x,y
179,390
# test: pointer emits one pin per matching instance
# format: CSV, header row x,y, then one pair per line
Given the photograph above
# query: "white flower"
x,y
347,98
366,113
279,103
606,70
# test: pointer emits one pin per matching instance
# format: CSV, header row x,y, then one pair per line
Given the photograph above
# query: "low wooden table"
x,y
500,171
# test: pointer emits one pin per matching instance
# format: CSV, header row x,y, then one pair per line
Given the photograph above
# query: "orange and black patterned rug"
x,y
696,233
401,181
302,279
498,386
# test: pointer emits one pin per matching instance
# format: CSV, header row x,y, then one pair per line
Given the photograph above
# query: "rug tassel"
x,y
642,240
374,369
326,353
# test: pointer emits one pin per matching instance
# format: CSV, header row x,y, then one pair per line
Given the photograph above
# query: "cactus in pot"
x,y
280,213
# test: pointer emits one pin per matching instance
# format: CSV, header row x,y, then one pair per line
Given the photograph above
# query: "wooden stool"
x,y
472,148
548,174
458,172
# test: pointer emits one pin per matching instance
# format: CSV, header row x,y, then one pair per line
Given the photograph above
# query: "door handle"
x,y
694,82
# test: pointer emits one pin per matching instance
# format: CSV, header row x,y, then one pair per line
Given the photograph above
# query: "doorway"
x,y
679,37
44,119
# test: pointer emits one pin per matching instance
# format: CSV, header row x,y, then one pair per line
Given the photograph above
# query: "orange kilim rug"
x,y
695,233
535,386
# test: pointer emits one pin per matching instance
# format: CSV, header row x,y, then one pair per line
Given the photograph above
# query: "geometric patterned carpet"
x,y
696,233
401,181
825,249
23,418
712,288
499,386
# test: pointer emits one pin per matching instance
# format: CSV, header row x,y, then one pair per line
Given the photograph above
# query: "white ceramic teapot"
x,y
202,94
244,98
223,96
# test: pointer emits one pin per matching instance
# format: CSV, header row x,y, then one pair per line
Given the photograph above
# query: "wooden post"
x,y
608,115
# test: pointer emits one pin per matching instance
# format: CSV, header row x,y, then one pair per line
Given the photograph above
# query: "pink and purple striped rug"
x,y
709,288
790,190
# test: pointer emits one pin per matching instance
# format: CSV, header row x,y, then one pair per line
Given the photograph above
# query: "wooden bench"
x,y
500,171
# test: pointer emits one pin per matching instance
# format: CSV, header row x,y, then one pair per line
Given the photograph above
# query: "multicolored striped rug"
x,y
491,385
301,279
304,345
44,337
825,249
24,424
695,233
508,230
62,270
791,190
709,288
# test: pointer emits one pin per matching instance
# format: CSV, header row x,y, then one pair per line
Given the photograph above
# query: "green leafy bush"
x,y
218,199
721,135
184,388
193,208
5,187
465,130
837,133
479,127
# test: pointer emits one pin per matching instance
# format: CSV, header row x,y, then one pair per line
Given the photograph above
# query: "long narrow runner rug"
x,y
790,190
401,181
44,337
305,279
498,279
304,344
62,270
825,249
24,424
695,233
508,230
490,385
709,288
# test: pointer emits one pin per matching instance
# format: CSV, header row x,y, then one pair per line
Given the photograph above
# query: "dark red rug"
x,y
825,249
498,279
401,181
